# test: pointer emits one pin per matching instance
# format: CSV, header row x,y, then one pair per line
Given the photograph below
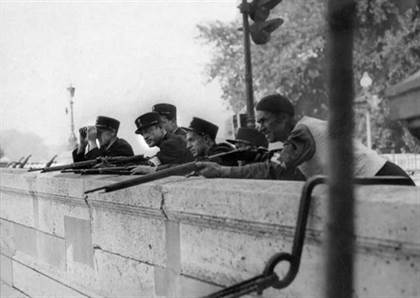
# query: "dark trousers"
x,y
391,169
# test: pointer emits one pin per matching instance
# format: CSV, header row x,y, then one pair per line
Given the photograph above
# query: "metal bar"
x,y
248,68
340,225
269,278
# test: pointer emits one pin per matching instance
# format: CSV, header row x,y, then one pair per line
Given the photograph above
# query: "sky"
x,y
121,56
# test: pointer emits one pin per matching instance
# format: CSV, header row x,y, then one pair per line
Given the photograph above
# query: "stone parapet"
x,y
186,237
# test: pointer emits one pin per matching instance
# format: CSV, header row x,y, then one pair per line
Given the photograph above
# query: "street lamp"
x,y
72,138
365,83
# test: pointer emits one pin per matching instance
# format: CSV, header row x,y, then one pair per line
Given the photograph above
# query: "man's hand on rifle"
x,y
142,169
210,169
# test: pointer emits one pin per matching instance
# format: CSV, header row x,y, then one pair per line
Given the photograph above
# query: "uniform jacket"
x,y
119,148
173,150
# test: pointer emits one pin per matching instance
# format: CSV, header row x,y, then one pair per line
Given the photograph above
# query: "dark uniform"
x,y
172,147
169,111
204,128
223,148
173,150
252,139
119,147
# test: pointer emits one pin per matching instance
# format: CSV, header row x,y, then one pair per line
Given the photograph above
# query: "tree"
x,y
387,46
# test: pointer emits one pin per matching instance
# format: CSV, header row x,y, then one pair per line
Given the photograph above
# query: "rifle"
x,y
95,162
16,163
24,162
105,171
50,162
183,169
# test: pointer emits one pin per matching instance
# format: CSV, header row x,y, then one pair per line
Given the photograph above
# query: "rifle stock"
x,y
175,170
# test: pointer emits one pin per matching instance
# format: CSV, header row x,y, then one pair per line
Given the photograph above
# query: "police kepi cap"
x,y
165,109
276,103
203,127
250,136
107,123
146,120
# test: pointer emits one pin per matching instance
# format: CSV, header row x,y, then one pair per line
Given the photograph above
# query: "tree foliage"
x,y
387,47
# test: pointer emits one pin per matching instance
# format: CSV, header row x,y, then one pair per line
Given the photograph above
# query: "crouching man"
x,y
305,147
172,147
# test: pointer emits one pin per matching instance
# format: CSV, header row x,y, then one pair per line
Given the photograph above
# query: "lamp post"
x,y
72,138
365,83
248,69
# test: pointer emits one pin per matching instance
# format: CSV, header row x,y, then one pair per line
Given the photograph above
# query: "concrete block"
x,y
395,210
224,257
36,284
51,214
50,183
7,291
141,238
7,241
78,239
387,277
273,202
17,207
113,276
169,284
146,196
17,179
123,277
25,239
6,270
51,250
194,288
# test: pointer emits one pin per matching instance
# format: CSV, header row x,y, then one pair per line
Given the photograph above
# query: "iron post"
x,y
340,229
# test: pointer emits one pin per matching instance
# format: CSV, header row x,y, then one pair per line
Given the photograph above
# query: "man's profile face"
x,y
166,123
272,126
153,135
105,136
196,144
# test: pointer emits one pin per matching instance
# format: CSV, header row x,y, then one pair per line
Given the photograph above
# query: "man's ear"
x,y
208,140
162,129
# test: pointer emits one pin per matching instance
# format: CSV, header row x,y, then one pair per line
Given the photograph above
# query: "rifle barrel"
x,y
176,170
92,162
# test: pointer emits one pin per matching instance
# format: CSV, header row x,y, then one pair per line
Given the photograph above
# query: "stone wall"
x,y
184,237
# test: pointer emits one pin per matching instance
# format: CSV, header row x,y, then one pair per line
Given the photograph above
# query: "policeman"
x,y
201,141
105,131
168,117
172,147
305,147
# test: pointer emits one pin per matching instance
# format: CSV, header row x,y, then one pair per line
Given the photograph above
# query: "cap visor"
x,y
239,141
187,128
